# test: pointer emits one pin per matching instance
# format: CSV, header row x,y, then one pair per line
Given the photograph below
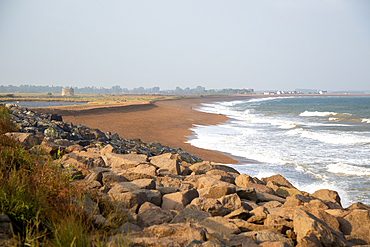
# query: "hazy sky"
x,y
259,44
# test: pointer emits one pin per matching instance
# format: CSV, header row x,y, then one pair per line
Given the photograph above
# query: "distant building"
x,y
323,92
68,92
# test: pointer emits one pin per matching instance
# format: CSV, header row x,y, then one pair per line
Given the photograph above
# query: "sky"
x,y
264,44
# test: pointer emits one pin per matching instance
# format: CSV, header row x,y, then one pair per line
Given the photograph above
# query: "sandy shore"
x,y
164,121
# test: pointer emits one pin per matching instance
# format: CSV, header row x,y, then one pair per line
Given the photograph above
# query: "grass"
x,y
92,98
36,194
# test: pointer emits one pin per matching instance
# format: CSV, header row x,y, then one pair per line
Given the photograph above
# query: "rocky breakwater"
x,y
164,197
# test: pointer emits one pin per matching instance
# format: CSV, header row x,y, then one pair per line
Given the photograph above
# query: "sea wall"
x,y
171,198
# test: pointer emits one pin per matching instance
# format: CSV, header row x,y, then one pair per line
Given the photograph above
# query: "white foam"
x,y
265,99
346,139
341,168
313,187
232,140
265,174
333,119
287,126
365,120
317,114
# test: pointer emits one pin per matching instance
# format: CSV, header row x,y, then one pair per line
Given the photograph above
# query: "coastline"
x,y
251,204
166,121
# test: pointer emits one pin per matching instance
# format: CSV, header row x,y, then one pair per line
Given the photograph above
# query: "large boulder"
x,y
201,167
190,215
130,200
178,200
172,167
144,169
238,240
83,159
330,197
243,179
231,202
266,197
207,166
174,182
295,201
167,190
239,213
163,159
211,205
98,135
154,196
283,190
305,224
124,161
179,234
273,219
356,226
52,148
258,215
245,226
317,208
94,176
131,176
124,187
222,175
218,192
225,168
358,205
260,188
247,194
112,177
268,236
271,204
279,181
219,226
86,204
207,182
108,149
27,140
154,215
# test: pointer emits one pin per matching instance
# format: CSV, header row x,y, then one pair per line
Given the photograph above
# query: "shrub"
x,y
35,193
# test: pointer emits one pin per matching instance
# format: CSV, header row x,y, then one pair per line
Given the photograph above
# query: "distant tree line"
x,y
199,90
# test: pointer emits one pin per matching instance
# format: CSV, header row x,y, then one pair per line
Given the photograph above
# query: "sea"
x,y
314,142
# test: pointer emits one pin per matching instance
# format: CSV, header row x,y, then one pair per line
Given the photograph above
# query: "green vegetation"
x,y
37,196
199,90
93,98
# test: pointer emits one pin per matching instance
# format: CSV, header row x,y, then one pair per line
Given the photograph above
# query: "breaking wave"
x,y
341,168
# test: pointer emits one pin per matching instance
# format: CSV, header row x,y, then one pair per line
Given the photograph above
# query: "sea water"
x,y
314,142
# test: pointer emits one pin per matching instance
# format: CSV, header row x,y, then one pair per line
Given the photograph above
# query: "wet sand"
x,y
165,121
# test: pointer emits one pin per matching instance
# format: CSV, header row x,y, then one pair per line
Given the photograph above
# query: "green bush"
x,y
36,194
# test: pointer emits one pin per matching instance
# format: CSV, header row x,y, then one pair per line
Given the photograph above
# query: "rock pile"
x,y
168,201
67,134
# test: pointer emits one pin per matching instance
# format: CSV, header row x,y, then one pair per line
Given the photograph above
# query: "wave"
x,y
333,119
317,114
347,139
266,99
341,168
287,126
365,120
322,114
